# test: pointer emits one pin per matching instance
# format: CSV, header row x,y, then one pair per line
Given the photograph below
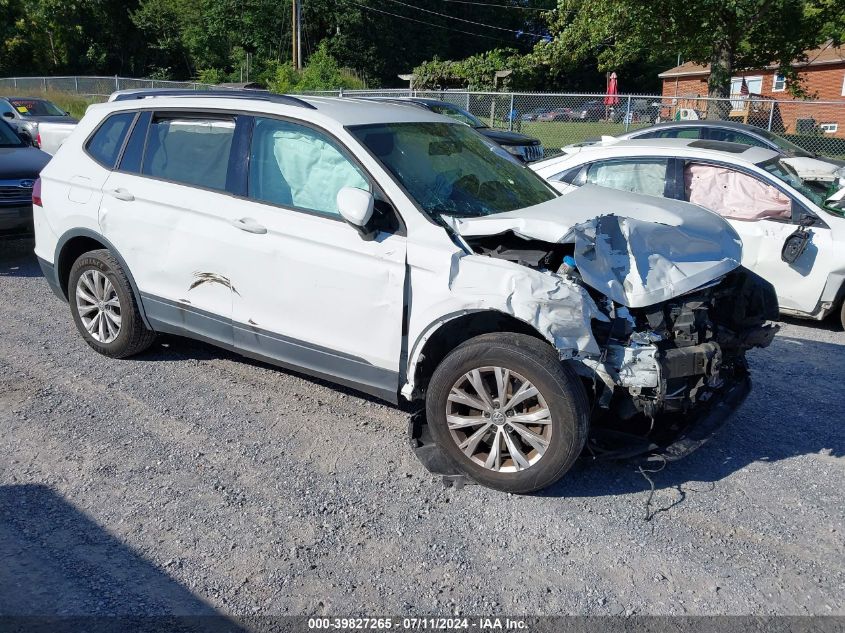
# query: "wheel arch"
x,y
76,242
449,331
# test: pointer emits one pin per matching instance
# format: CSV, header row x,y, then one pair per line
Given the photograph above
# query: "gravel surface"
x,y
189,480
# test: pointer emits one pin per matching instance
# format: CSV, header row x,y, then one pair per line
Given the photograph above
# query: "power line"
x,y
503,6
439,26
452,17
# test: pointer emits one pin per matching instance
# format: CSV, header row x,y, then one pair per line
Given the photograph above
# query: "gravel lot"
x,y
189,480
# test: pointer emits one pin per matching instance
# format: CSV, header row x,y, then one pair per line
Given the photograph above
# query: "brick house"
x,y
823,76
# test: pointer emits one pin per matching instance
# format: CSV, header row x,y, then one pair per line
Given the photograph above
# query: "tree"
x,y
727,34
322,72
477,72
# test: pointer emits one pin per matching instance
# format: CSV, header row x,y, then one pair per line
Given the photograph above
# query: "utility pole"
x,y
296,33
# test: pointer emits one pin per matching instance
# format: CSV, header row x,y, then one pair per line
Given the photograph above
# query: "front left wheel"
x,y
507,411
104,307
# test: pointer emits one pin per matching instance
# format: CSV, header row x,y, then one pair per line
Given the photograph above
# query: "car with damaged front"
x,y
403,254
789,211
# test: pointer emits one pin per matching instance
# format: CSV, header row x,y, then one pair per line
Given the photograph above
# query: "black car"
x,y
521,146
20,164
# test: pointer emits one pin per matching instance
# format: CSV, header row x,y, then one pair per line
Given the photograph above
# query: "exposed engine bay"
x,y
662,362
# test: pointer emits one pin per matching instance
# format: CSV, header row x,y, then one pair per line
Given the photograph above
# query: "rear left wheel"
x,y
104,307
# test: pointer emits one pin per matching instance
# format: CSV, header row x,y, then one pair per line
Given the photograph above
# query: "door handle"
x,y
249,225
121,194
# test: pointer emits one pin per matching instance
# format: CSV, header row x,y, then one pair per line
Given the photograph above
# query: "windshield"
x,y
818,192
453,170
788,147
456,113
36,107
8,137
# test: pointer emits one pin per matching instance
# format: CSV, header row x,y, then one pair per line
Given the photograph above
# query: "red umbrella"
x,y
612,96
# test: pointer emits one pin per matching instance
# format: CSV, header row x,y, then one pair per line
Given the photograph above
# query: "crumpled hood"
x,y
638,250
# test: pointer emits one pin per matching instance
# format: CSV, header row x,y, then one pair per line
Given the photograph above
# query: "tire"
x,y
562,432
842,314
118,331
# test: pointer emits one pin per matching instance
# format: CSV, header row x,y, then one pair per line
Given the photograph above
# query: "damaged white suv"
x,y
393,250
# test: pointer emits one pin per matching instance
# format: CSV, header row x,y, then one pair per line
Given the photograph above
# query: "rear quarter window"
x,y
105,144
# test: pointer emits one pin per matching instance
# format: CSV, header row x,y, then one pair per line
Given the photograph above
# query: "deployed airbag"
x,y
733,194
296,166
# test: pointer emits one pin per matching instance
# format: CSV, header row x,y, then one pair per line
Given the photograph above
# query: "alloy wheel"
x,y
98,306
498,419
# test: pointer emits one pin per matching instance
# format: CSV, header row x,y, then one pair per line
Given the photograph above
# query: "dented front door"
x,y
798,284
314,295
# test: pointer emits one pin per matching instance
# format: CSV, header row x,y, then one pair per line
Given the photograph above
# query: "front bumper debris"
x,y
700,425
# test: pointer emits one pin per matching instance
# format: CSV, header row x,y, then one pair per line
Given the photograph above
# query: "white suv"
x,y
396,251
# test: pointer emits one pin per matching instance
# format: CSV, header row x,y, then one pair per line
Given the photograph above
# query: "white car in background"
x,y
792,228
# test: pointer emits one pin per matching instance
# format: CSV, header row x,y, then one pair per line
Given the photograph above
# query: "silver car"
x,y
26,113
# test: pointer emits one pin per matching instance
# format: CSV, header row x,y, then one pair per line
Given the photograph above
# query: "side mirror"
x,y
9,115
356,207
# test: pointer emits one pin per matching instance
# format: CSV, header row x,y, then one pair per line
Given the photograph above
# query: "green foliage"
x,y
180,38
211,76
322,72
236,40
478,72
728,34
53,36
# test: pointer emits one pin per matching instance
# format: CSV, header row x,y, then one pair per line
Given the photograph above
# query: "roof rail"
x,y
261,95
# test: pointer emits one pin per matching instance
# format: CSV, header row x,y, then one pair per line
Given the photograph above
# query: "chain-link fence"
x,y
87,86
567,118
556,119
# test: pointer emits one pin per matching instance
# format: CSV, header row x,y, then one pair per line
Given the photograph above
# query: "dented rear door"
x,y
172,222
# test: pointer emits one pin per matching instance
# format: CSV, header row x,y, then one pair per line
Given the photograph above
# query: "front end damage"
x,y
667,368
671,316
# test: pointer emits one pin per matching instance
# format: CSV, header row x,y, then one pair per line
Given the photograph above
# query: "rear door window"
x,y
638,175
189,150
105,144
6,108
573,176
732,136
130,161
684,132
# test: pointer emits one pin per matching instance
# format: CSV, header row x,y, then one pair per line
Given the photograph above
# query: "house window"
x,y
778,83
829,128
843,85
